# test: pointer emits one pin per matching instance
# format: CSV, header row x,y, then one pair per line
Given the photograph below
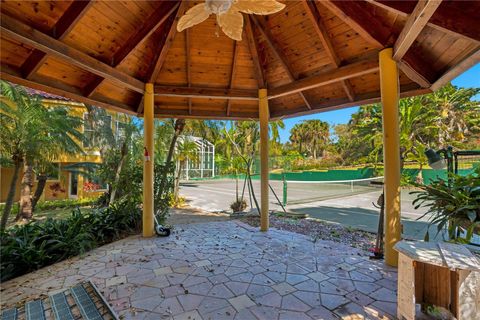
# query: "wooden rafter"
x,y
232,74
151,24
18,31
164,42
450,74
205,93
61,89
453,17
59,31
314,15
254,51
360,18
415,23
325,78
278,53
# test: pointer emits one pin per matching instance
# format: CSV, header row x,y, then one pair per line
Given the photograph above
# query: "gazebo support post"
x,y
264,117
148,174
389,87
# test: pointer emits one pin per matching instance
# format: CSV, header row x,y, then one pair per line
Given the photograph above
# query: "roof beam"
x,y
203,114
232,74
312,12
278,53
254,51
325,78
150,25
25,34
454,17
59,31
61,89
165,45
450,74
205,93
359,18
408,90
415,23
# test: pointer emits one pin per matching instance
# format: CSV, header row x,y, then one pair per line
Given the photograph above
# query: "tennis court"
x,y
336,203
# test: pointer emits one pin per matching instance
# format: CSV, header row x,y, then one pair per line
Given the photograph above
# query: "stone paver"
x,y
224,270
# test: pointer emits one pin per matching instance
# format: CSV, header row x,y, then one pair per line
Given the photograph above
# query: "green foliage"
x,y
238,205
163,197
454,203
37,244
57,204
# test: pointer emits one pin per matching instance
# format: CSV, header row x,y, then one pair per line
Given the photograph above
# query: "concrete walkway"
x,y
224,270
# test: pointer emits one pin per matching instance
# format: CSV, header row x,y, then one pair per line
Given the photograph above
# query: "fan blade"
x,y
194,16
261,7
231,23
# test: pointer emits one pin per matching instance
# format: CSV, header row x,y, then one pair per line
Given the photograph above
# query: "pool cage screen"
x,y
203,163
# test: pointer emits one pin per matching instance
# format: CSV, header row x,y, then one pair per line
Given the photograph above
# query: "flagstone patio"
x,y
224,270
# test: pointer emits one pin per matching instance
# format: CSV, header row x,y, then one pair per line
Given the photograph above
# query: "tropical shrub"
x,y
238,205
452,204
57,204
24,248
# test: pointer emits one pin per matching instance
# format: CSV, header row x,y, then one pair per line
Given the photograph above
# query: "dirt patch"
x,y
319,230
188,215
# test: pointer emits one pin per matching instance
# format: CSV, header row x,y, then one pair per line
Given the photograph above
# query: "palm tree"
x,y
457,116
32,134
186,151
310,135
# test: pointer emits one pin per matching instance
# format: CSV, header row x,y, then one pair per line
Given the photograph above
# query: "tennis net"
x,y
296,192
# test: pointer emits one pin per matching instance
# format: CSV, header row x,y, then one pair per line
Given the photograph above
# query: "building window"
x,y
120,132
92,126
94,184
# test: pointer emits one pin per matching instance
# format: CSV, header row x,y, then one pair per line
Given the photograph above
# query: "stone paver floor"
x,y
224,270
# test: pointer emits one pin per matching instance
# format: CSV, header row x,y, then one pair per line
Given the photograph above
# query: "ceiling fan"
x,y
229,14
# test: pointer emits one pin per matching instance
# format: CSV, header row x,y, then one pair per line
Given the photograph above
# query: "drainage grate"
x,y
60,307
10,314
34,310
85,304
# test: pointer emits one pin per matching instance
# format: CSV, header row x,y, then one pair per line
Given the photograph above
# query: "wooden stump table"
x,y
442,274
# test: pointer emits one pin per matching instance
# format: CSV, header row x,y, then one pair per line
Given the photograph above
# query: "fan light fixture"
x,y
229,14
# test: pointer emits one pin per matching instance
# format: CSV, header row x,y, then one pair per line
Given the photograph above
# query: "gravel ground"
x,y
318,230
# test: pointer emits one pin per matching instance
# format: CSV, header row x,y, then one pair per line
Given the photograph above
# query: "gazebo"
x,y
310,57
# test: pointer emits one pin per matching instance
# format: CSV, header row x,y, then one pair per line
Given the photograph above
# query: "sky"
x,y
470,78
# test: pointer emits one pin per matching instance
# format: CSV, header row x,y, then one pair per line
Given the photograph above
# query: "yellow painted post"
x,y
389,87
264,116
148,225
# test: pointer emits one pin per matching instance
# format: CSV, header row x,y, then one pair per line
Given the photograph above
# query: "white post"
x,y
213,161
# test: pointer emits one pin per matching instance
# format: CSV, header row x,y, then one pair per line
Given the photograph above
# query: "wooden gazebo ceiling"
x,y
312,56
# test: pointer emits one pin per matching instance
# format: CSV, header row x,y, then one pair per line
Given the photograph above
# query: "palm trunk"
x,y
26,192
177,182
123,155
42,181
179,126
11,194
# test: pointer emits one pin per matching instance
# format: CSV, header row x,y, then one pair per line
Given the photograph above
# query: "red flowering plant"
x,y
90,186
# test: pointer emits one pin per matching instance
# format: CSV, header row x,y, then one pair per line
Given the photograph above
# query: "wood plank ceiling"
x,y
312,56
